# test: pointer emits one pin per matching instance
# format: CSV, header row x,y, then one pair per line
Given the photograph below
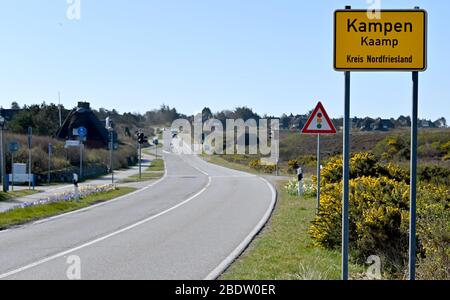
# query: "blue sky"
x,y
274,56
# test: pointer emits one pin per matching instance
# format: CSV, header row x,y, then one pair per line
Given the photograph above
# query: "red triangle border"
x,y
311,118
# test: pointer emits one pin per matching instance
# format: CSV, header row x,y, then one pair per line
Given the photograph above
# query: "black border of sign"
x,y
425,53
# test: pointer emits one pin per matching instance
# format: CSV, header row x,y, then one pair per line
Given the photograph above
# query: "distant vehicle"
x,y
174,132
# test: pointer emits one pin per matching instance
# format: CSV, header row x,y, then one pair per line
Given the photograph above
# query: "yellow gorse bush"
x,y
379,213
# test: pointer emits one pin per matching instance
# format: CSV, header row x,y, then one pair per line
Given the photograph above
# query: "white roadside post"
x,y
300,181
76,192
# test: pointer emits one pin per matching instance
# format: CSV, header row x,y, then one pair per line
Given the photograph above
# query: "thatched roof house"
x,y
83,116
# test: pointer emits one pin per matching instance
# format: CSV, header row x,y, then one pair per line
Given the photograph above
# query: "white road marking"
x,y
62,254
214,274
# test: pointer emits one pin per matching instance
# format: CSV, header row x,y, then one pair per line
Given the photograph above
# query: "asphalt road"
x,y
189,225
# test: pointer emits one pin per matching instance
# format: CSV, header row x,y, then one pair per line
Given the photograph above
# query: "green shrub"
x,y
434,174
379,214
393,147
293,165
433,228
255,164
269,169
376,206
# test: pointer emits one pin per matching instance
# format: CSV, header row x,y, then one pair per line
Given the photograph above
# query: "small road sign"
x,y
13,147
319,122
82,132
392,40
72,143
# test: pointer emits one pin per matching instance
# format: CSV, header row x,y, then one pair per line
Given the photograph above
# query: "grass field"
x,y
33,213
17,194
284,250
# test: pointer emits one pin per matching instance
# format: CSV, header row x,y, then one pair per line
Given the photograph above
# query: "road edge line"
x,y
226,263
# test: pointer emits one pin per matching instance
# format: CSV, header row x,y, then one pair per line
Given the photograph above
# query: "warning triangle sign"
x,y
319,122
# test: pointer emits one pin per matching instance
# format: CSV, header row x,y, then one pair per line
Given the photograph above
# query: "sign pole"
x,y
111,150
2,160
413,187
30,133
49,162
140,160
81,159
12,171
318,173
346,176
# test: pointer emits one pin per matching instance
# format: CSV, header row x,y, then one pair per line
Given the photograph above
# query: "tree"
x,y
206,114
285,121
15,105
245,114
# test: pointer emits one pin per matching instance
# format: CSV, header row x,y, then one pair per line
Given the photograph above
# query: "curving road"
x,y
191,224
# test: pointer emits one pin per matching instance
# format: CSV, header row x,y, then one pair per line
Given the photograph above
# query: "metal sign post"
x,y
50,152
413,187
111,150
81,159
12,171
2,155
346,176
30,137
13,148
140,160
82,133
318,174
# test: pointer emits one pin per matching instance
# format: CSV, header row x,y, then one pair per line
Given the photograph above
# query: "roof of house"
x,y
83,116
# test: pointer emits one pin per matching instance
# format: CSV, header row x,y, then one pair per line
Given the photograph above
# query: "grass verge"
x,y
17,194
155,171
284,250
144,177
218,160
33,213
157,166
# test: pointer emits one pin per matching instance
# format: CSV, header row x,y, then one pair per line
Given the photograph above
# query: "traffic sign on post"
x,y
393,40
319,122
13,147
82,132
